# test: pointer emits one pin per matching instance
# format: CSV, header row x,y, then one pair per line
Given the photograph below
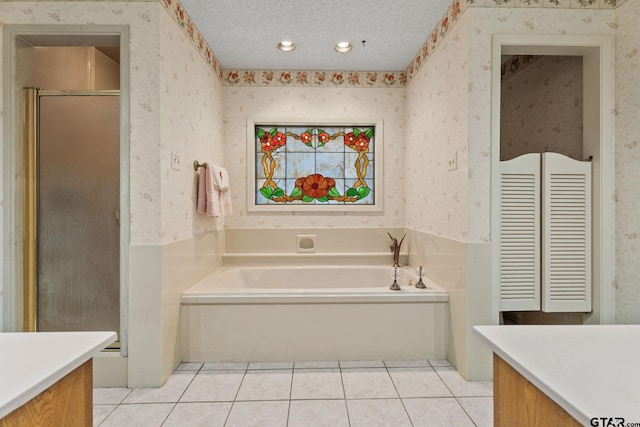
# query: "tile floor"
x,y
367,393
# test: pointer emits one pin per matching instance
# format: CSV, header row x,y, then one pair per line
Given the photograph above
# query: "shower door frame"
x,y
32,194
14,157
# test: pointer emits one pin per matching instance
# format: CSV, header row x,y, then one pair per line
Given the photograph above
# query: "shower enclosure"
x,y
72,205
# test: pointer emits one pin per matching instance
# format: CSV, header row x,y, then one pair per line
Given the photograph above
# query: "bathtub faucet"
x,y
395,249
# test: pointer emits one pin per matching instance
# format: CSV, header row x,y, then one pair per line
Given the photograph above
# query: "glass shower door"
x,y
78,274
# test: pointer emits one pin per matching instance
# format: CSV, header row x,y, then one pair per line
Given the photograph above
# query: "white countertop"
x,y
590,371
31,362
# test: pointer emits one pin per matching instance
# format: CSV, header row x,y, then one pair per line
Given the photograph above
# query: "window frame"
x,y
251,160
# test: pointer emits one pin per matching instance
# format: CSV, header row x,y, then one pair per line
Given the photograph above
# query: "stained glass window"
x,y
297,165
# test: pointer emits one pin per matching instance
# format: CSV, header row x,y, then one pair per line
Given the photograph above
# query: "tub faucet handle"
x,y
420,284
394,285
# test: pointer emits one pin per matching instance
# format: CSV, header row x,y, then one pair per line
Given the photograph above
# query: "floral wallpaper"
x,y
143,21
292,103
484,22
627,137
436,127
175,104
190,126
541,108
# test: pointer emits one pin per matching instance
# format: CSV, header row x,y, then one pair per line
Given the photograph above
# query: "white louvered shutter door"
x,y
520,233
566,262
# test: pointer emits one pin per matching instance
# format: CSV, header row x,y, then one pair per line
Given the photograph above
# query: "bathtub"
x,y
313,313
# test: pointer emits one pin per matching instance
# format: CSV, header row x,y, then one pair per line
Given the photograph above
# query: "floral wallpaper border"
x,y
458,7
180,16
515,64
374,79
303,78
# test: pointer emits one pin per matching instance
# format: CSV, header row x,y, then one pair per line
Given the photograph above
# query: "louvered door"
x,y
566,239
520,233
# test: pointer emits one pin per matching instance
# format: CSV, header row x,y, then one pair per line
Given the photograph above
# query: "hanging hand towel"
x,y
201,201
208,203
221,183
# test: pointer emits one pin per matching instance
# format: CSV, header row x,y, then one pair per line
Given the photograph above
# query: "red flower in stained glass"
x,y
305,137
267,142
362,143
323,137
350,139
280,139
316,185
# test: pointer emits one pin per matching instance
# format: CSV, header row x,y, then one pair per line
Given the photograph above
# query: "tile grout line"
x,y
226,420
443,381
465,411
453,395
110,412
290,393
181,394
344,394
399,397
117,405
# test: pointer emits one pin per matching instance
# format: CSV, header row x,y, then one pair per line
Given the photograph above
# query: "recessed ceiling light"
x,y
343,47
286,46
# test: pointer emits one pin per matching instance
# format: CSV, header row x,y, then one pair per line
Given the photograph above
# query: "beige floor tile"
x,y
407,363
271,384
139,414
109,396
377,413
213,386
346,364
460,387
100,412
362,383
258,414
418,382
203,414
317,384
480,409
169,392
318,413
437,412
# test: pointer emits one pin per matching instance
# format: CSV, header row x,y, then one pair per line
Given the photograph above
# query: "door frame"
x,y
598,137
13,222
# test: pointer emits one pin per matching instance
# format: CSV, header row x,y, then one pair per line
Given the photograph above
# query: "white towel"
x,y
221,184
220,177
214,197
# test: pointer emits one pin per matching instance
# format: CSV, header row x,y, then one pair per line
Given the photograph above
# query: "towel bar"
x,y
197,165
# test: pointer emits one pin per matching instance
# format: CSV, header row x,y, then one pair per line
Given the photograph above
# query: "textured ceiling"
x,y
243,34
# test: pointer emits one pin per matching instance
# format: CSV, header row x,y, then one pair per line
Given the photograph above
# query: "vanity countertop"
x,y
590,371
31,362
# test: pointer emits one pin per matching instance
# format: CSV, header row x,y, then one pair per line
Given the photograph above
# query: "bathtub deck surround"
x,y
368,392
345,312
320,246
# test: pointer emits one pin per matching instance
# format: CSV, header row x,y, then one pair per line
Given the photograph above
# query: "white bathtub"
x,y
312,313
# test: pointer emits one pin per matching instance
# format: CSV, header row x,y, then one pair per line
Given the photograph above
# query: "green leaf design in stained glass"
x,y
267,192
